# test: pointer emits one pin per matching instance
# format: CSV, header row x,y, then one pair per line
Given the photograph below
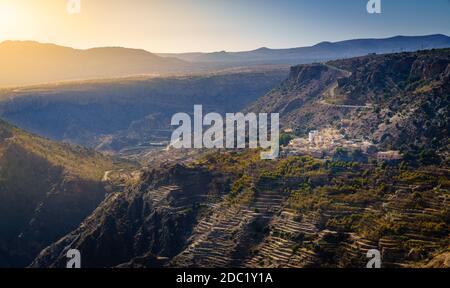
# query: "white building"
x,y
389,156
312,136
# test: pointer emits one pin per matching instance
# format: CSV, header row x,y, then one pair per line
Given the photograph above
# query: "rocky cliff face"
x,y
46,189
303,85
409,94
298,98
155,217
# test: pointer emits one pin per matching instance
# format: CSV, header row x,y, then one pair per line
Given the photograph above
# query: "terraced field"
x,y
328,226
231,209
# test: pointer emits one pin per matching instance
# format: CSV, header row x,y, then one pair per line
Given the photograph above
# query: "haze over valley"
x,y
350,101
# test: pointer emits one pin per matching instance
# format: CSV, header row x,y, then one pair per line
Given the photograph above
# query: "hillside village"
x,y
330,143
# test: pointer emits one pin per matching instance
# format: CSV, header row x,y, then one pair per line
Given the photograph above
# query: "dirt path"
x,y
324,102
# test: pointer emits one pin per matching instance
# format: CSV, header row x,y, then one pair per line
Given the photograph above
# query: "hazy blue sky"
x,y
213,25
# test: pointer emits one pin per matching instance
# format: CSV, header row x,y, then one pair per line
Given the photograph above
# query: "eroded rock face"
x,y
297,99
416,109
156,216
394,99
57,213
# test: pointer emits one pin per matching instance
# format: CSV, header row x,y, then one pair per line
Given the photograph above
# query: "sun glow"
x,y
7,14
14,19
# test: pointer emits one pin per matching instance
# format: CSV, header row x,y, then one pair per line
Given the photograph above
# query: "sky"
x,y
216,25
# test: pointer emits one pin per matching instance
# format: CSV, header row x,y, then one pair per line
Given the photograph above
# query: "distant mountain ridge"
x,y
28,62
323,51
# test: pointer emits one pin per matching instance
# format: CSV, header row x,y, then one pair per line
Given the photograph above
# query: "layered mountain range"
x,y
28,62
195,208
321,52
